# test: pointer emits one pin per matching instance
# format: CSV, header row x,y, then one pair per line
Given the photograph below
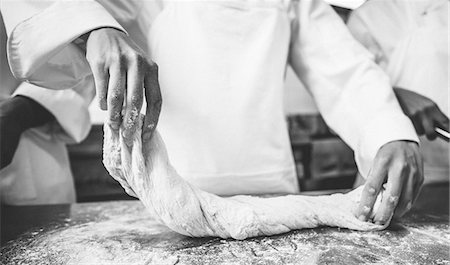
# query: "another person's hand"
x,y
10,131
18,114
423,112
400,163
121,72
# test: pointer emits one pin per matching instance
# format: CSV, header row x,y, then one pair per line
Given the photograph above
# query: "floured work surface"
x,y
124,233
145,171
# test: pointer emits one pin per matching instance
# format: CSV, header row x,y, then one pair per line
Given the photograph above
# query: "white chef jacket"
x,y
409,40
221,69
40,170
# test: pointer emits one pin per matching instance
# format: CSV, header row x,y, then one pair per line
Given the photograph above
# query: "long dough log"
x,y
146,172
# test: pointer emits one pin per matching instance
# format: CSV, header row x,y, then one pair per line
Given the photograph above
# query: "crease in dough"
x,y
146,173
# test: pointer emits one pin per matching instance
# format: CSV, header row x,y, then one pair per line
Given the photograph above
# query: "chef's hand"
x,y
423,112
400,163
121,72
18,114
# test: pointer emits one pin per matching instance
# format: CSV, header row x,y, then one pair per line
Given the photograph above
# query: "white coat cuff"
x,y
386,127
68,107
39,38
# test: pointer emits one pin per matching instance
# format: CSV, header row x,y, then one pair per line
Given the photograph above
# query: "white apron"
x,y
39,172
222,65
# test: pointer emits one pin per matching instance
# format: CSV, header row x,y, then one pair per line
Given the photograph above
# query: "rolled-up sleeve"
x,y
352,93
40,48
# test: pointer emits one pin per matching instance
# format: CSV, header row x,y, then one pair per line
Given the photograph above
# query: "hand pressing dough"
x,y
146,172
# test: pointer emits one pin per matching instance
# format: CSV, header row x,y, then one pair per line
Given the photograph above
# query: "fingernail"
x,y
362,218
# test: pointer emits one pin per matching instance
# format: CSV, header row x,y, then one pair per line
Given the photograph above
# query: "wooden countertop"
x,y
122,232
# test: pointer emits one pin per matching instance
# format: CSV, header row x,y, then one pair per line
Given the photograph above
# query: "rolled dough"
x,y
146,172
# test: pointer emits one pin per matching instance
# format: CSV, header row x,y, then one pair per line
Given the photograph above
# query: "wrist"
x,y
102,30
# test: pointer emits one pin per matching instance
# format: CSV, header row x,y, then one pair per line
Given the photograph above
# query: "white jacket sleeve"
x,y
70,110
41,52
351,91
361,32
40,48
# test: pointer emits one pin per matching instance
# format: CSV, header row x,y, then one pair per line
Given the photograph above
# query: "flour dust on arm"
x,y
145,172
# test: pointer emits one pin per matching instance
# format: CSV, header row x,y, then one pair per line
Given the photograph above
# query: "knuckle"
x,y
114,122
136,100
431,107
403,165
150,125
116,97
365,210
96,63
140,59
91,58
370,189
153,67
158,101
431,133
101,98
415,114
122,58
392,201
100,86
117,58
114,117
135,58
384,160
427,110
